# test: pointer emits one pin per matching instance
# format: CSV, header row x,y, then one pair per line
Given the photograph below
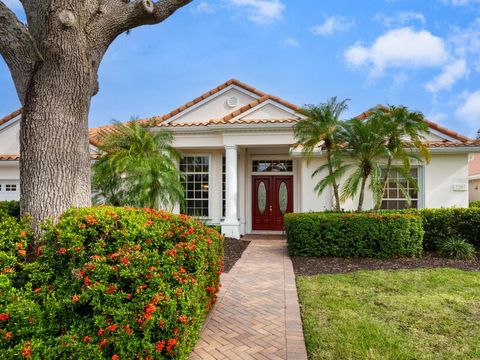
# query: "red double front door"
x,y
272,198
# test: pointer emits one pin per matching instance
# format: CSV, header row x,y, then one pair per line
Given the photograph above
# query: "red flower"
x,y
127,329
182,319
87,339
172,252
77,248
8,335
62,251
22,234
148,316
19,246
103,343
22,252
112,327
75,298
26,352
111,289
87,281
37,290
91,220
150,309
160,345
115,357
137,247
171,344
124,261
4,317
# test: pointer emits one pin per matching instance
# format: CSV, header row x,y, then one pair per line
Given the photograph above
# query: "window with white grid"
x,y
397,187
196,185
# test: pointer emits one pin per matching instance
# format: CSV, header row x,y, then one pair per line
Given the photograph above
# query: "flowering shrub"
x,y
112,283
14,238
354,234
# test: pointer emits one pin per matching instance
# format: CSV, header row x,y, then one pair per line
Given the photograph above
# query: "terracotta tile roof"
x,y
449,144
222,122
7,157
11,116
154,121
474,165
11,157
430,124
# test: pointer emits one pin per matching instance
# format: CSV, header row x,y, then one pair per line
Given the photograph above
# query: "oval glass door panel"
x,y
283,198
262,197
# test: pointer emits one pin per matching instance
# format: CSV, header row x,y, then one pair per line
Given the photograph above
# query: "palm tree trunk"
x,y
384,183
334,184
362,193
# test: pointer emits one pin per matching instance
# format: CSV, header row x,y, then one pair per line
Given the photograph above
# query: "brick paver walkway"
x,y
257,315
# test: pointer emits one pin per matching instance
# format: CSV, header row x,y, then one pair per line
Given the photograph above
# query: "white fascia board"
x,y
9,162
211,97
296,152
455,150
10,122
474,177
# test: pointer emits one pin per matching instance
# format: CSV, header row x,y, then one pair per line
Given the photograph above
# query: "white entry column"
x,y
231,225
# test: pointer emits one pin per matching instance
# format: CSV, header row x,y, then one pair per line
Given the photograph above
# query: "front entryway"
x,y
272,198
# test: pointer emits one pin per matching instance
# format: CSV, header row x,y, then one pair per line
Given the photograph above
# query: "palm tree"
x,y
320,128
403,131
137,167
364,151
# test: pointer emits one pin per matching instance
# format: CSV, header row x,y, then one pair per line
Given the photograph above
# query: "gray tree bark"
x,y
54,62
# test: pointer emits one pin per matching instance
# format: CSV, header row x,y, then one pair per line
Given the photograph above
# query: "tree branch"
x,y
118,16
18,49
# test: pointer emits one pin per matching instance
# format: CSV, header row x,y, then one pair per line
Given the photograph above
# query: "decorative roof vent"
x,y
232,101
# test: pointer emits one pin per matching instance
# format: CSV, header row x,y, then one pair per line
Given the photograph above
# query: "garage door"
x,y
9,190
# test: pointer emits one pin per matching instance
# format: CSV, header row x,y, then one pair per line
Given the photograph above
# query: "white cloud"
x,y
404,47
438,117
290,41
466,41
400,19
333,24
451,73
262,12
204,7
469,111
460,2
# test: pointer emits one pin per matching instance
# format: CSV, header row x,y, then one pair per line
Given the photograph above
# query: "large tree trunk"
x,y
54,147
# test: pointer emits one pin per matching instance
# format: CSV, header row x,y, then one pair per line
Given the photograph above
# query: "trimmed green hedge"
x,y
109,283
475,204
354,234
448,223
11,208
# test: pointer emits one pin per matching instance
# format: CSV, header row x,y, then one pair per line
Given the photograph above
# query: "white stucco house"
x,y
242,171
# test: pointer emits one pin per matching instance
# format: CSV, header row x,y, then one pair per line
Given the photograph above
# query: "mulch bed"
x,y
233,250
335,265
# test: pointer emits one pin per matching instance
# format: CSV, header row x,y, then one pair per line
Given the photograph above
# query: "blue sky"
x,y
422,54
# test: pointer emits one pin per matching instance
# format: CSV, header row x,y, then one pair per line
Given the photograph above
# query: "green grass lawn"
x,y
404,314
